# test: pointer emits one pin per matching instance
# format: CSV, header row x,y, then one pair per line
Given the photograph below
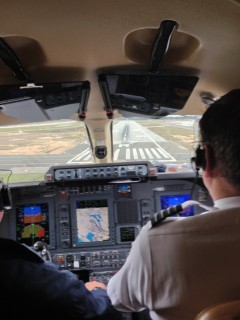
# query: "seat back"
x,y
222,311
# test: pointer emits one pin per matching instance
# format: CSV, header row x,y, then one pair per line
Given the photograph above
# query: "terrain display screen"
x,y
92,220
32,223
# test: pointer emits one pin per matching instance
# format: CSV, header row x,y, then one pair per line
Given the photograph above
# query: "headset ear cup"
x,y
200,160
6,198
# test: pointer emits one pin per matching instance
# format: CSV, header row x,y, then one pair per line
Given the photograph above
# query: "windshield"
x,y
166,142
29,150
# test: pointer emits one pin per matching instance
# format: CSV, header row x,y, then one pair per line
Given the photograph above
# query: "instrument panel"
x,y
88,223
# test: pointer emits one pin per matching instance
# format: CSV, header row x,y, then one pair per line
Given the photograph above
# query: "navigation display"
x,y
172,200
92,220
32,223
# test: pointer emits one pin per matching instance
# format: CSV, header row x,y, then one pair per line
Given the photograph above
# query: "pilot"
x,y
32,288
181,265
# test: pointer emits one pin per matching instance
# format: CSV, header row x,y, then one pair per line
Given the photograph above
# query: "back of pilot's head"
x,y
220,130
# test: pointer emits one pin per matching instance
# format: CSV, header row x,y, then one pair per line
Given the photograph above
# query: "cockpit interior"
x,y
99,110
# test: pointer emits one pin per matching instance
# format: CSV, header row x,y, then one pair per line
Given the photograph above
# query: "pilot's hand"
x,y
94,285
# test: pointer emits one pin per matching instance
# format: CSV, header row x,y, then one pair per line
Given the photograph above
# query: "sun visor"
x,y
45,101
143,93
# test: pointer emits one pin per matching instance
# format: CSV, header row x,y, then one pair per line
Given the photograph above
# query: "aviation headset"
x,y
199,159
5,198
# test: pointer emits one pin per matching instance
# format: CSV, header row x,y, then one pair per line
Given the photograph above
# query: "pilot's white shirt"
x,y
181,266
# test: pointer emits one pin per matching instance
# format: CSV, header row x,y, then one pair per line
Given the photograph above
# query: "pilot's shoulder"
x,y
162,224
11,249
203,222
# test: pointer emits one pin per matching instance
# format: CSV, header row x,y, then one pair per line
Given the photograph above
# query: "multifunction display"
x,y
92,220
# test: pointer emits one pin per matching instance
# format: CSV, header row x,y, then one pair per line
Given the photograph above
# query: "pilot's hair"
x,y
220,130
